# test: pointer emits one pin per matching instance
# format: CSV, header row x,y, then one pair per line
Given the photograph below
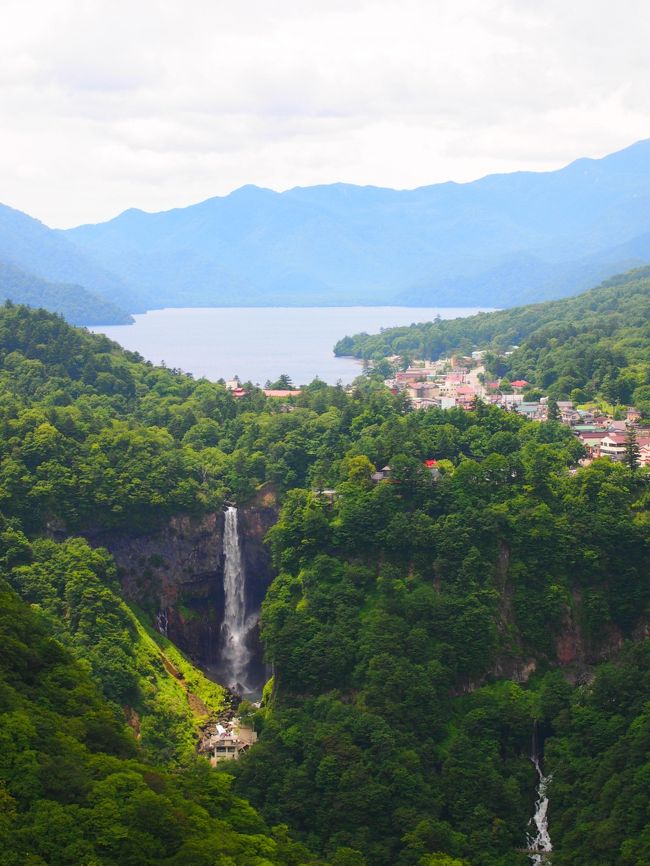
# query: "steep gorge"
x,y
175,575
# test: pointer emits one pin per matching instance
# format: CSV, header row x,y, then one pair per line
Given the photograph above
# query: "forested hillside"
x,y
74,786
419,627
32,247
80,448
74,303
597,343
401,612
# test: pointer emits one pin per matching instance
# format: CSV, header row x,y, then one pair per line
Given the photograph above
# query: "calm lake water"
x,y
260,343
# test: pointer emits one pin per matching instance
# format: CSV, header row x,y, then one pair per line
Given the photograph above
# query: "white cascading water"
x,y
162,622
539,842
235,653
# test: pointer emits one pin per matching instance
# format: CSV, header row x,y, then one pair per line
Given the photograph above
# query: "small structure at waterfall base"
x,y
227,742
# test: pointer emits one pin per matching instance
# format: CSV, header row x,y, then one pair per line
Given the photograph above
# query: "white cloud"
x,y
155,104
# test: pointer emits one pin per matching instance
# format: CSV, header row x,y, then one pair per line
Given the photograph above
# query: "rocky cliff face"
x,y
574,653
175,574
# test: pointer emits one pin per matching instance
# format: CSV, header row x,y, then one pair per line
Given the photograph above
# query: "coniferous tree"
x,y
632,456
553,411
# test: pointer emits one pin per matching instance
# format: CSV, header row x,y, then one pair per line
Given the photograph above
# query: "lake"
x,y
260,343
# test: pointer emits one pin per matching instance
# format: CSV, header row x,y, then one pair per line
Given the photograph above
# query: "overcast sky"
x,y
162,103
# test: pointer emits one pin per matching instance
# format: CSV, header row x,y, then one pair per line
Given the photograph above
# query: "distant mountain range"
x,y
41,267
500,241
77,305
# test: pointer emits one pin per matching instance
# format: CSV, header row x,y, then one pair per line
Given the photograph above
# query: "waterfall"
x,y
162,622
235,652
539,842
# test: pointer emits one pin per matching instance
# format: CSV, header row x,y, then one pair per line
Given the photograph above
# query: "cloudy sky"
x,y
108,104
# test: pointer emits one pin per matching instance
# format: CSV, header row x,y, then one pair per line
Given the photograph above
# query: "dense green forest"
x,y
418,628
74,787
398,612
77,305
595,344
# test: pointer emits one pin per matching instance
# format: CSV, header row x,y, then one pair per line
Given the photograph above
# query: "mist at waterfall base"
x,y
239,665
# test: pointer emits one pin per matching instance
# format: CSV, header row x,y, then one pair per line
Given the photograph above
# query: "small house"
x,y
432,467
227,743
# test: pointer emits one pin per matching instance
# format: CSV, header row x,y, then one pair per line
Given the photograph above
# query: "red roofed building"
x,y
432,466
591,440
519,384
613,445
410,375
465,396
281,392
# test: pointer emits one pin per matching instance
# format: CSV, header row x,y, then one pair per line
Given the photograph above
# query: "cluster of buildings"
x,y
460,382
235,388
610,439
227,741
385,474
455,381
445,383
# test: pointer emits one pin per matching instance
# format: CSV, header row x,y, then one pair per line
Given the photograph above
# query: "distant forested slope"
x,y
32,247
595,343
74,303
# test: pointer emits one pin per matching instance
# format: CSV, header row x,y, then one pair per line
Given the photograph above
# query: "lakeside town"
x,y
462,381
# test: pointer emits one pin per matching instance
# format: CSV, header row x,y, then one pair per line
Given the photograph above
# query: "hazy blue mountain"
x,y
74,303
31,246
504,239
529,278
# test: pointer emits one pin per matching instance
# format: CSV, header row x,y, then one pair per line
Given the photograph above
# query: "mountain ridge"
x,y
298,188
347,244
503,239
77,305
45,254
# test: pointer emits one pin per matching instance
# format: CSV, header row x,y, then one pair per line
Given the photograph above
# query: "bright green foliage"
x,y
396,602
392,735
73,789
93,437
76,589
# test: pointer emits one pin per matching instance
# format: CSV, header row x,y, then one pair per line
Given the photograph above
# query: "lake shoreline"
x,y
258,344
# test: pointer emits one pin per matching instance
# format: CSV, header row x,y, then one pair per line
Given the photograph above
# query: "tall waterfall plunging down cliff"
x,y
236,654
539,843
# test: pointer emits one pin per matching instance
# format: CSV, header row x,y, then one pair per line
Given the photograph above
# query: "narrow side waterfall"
x,y
235,652
162,621
539,841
